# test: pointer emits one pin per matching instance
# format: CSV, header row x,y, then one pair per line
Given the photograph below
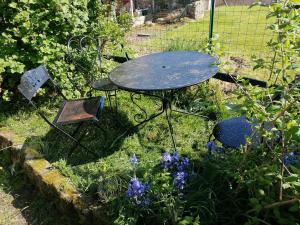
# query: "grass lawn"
x,y
84,170
87,172
242,33
148,143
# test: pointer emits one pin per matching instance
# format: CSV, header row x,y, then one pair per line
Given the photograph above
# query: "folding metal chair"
x,y
71,111
82,48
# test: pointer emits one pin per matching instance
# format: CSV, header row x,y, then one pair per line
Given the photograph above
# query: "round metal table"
x,y
163,72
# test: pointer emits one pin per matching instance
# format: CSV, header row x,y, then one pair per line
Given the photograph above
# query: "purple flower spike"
x,y
211,146
291,158
133,160
175,157
136,189
182,164
166,161
146,201
180,179
185,161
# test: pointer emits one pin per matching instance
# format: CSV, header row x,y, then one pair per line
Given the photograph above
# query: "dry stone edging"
x,y
50,181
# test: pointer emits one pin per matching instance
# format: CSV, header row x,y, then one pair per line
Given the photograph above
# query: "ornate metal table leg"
x,y
141,117
168,110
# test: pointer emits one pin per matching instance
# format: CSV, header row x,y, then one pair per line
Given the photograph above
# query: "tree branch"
x,y
277,204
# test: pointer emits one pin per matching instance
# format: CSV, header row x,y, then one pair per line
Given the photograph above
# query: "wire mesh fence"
x,y
242,32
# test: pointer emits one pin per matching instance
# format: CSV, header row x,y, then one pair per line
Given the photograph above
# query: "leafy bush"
x,y
269,173
36,32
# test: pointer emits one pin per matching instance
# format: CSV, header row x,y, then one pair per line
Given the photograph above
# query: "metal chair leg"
x,y
67,134
103,131
116,101
76,144
74,140
77,129
109,99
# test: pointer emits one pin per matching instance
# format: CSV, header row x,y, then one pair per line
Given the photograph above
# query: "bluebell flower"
x,y
175,157
133,160
211,146
180,179
182,164
146,201
136,190
174,161
291,158
166,161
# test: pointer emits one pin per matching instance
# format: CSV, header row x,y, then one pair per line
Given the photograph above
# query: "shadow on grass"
x,y
22,107
23,204
55,145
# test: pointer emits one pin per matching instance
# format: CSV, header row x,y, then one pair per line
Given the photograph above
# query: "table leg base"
x,y
129,130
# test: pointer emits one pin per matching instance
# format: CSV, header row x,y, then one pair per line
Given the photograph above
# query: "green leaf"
x,y
13,5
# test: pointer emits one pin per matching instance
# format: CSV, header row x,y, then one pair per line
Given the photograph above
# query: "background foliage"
x,y
36,32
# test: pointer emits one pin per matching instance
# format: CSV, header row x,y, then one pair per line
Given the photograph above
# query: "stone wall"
x,y
51,182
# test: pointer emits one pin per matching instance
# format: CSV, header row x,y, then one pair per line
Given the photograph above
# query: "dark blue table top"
x,y
164,71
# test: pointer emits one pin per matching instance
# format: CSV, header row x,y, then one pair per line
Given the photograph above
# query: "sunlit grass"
x,y
148,142
242,33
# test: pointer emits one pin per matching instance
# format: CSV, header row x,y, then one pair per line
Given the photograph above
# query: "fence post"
x,y
211,23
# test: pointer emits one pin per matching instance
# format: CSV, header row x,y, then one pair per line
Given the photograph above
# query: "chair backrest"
x,y
84,52
32,80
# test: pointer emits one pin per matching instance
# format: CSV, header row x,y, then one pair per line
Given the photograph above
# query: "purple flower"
x,y
211,146
291,158
166,161
136,190
182,164
146,201
174,162
177,165
175,157
133,160
180,179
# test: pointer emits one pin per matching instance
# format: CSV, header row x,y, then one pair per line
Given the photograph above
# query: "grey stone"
x,y
196,9
149,23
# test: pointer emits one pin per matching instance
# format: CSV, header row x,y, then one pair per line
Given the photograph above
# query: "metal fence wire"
x,y
241,30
